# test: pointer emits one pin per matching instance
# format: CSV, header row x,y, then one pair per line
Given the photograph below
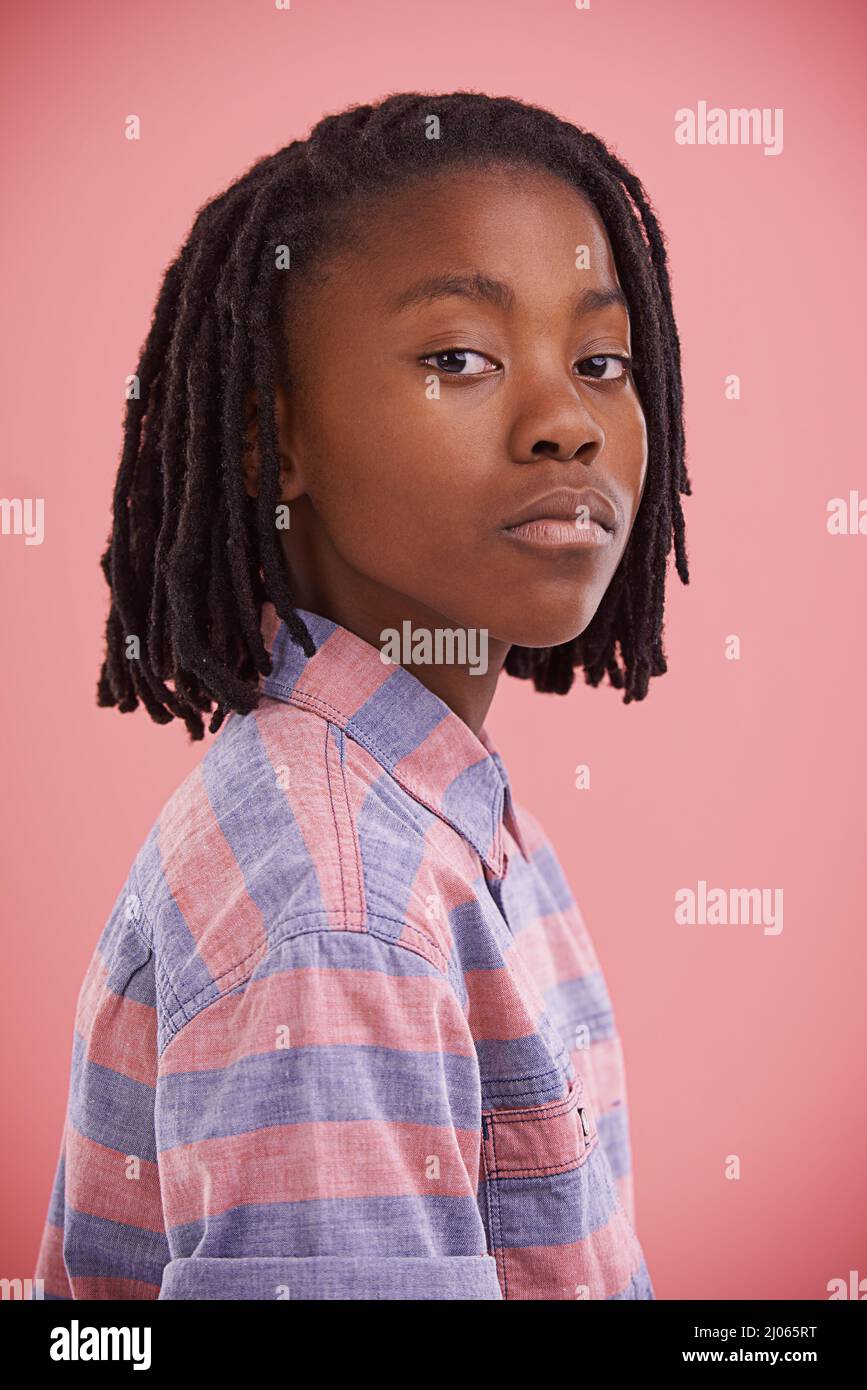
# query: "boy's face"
x,y
412,436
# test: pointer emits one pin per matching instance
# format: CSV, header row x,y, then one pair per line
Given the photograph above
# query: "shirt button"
x,y
584,1124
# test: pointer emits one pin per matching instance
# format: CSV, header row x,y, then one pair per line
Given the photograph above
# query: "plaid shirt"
x,y
344,1034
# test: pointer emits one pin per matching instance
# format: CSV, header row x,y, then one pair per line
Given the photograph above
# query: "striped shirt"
x,y
344,1034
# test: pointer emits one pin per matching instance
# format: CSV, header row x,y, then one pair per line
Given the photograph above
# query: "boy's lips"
x,y
562,504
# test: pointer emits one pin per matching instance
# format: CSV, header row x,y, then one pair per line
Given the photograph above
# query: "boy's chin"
x,y
540,629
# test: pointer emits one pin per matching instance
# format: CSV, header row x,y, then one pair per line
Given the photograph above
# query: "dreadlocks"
x,y
192,557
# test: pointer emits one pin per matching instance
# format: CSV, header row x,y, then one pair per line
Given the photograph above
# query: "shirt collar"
x,y
410,731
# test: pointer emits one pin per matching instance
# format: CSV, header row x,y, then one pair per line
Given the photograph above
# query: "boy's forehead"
x,y
481,201
504,222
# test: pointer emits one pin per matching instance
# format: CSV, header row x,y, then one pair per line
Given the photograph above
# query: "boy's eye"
x,y
462,354
601,363
599,366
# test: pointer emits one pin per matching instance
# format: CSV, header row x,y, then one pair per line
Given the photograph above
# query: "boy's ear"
x,y
252,462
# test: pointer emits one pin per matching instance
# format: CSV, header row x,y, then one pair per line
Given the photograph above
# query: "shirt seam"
x,y
267,947
348,818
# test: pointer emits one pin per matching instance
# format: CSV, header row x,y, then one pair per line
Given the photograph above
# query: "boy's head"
x,y
409,328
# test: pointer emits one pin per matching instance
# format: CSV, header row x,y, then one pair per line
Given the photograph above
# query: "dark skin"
x,y
397,500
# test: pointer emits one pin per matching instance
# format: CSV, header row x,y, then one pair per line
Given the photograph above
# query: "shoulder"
x,y
286,828
123,956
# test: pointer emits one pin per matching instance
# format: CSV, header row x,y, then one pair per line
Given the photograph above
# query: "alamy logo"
x,y
76,1343
738,126
856,1287
443,646
17,518
847,520
25,1289
725,906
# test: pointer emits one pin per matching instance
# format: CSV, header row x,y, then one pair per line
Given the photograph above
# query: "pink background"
x,y
745,774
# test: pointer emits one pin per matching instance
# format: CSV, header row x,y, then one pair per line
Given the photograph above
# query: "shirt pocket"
x,y
534,1140
554,1221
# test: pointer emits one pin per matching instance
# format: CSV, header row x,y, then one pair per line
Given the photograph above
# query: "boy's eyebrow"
x,y
476,285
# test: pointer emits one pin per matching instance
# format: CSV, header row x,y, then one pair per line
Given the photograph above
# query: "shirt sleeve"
x,y
104,1235
320,1132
